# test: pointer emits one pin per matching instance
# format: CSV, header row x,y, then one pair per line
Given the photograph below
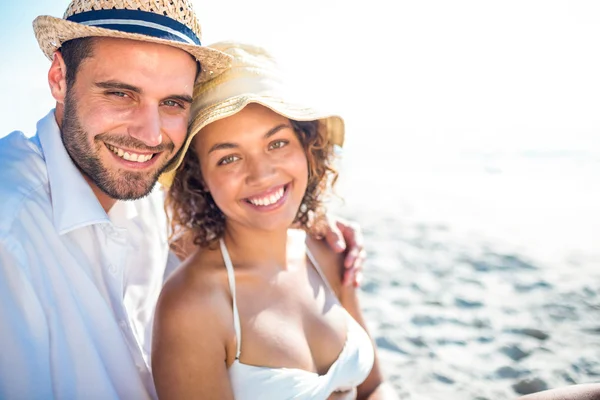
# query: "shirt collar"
x,y
121,212
73,201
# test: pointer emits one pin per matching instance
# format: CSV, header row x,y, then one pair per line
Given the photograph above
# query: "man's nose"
x,y
146,126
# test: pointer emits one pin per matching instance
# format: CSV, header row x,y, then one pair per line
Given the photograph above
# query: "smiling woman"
x,y
253,163
255,137
282,324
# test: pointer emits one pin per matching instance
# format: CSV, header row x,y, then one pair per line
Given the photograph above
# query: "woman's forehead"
x,y
253,121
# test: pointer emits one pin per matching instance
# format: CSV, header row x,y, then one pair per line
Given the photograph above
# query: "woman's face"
x,y
255,167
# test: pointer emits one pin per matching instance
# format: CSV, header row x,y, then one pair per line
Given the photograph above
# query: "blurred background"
x,y
472,161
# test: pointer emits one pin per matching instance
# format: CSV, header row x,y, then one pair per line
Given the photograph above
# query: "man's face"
x,y
126,115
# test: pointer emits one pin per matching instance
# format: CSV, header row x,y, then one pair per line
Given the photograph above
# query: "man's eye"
x,y
172,103
278,144
228,160
118,94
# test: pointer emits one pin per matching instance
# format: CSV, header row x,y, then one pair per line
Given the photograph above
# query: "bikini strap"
x,y
231,279
315,264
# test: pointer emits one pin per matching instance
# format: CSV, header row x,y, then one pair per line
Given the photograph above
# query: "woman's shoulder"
x,y
330,262
198,287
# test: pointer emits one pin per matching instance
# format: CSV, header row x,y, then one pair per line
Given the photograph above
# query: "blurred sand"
x,y
482,289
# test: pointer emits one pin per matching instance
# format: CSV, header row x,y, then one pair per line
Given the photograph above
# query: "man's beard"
x,y
118,184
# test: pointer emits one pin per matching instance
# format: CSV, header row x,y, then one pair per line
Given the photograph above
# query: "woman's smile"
x,y
269,200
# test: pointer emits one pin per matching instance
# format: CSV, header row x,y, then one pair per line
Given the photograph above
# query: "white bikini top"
x,y
351,368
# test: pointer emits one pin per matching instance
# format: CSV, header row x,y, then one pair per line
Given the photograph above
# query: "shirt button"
x,y
112,269
112,233
123,325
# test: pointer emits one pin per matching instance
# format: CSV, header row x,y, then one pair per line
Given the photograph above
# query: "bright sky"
x,y
464,74
461,73
420,83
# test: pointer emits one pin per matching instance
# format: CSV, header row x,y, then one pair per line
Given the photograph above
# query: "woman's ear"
x,y
57,78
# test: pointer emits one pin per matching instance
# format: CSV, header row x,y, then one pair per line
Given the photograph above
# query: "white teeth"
x,y
130,156
268,200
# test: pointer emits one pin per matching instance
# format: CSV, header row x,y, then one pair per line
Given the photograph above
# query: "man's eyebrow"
x,y
181,97
118,86
114,85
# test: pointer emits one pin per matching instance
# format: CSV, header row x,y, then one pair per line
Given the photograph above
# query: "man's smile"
x,y
130,155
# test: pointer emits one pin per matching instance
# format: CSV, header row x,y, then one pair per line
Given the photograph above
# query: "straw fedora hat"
x,y
254,77
169,22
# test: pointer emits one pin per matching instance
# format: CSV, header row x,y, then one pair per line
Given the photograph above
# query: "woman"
x,y
258,311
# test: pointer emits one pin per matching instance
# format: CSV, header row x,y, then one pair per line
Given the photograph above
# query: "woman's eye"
x,y
228,160
278,144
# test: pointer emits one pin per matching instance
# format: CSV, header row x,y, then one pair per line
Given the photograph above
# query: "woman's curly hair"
x,y
195,215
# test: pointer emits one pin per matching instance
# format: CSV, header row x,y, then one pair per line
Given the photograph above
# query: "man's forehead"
x,y
140,63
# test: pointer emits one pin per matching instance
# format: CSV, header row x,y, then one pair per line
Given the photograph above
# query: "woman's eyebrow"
x,y
276,129
222,146
229,145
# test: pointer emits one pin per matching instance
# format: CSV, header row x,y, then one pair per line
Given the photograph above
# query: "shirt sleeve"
x,y
24,341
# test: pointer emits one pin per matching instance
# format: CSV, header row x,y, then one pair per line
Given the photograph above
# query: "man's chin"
x,y
128,186
127,193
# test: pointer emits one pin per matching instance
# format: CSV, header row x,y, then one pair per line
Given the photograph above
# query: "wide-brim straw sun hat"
x,y
169,22
254,77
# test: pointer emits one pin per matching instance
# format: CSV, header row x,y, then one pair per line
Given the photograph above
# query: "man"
x,y
83,235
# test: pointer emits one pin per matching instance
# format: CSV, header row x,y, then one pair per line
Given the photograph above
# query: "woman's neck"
x,y
275,248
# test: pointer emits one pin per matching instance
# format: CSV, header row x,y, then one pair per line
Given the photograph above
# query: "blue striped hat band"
x,y
136,21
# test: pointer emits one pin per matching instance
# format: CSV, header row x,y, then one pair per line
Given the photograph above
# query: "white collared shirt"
x,y
78,287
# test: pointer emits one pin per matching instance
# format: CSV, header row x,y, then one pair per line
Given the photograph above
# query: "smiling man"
x,y
125,115
83,233
80,268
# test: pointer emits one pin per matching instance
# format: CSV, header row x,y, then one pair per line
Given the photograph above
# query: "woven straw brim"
x,y
333,124
52,32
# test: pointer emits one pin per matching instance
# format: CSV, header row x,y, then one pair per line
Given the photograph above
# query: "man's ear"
x,y
57,78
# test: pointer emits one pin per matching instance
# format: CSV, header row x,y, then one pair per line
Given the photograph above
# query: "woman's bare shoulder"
x,y
193,333
198,287
330,262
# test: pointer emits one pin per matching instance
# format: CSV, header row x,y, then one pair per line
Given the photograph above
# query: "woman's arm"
x,y
590,391
189,343
374,387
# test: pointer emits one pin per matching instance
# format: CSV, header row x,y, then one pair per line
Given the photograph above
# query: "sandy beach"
x,y
479,285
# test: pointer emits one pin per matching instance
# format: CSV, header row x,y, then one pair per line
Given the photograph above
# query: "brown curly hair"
x,y
195,215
